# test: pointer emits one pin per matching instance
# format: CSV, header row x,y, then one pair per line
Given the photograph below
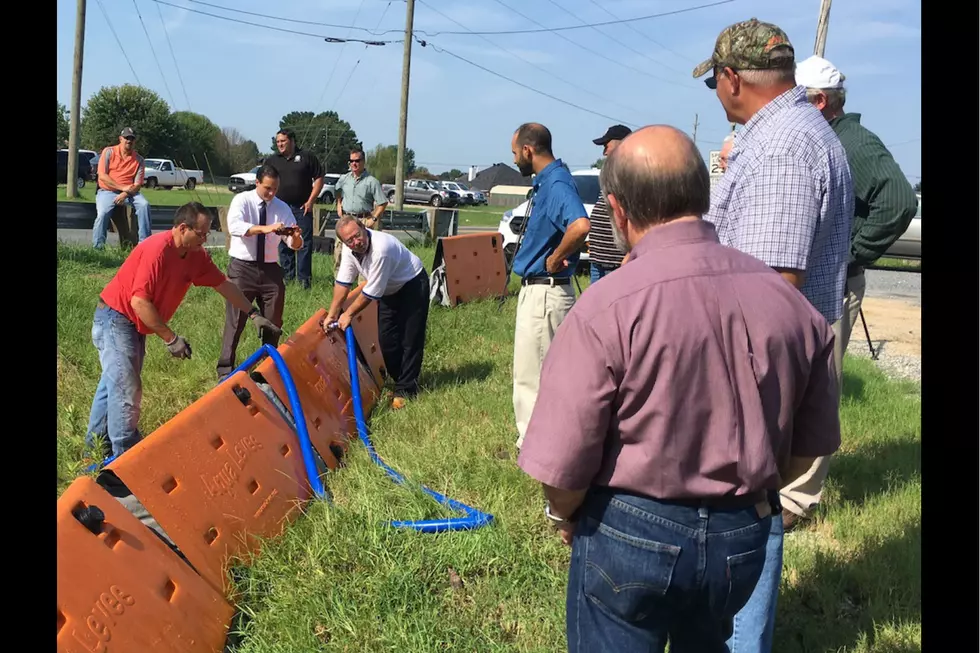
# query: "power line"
x,y
329,39
914,140
602,24
154,52
594,52
533,65
118,42
645,36
521,84
375,32
166,33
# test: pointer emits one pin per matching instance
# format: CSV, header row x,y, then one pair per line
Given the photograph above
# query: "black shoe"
x,y
305,285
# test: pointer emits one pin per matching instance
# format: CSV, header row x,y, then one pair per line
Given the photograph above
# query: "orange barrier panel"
x,y
224,469
475,266
120,588
365,326
317,361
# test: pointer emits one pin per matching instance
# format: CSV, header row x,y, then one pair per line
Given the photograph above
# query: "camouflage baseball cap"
x,y
750,45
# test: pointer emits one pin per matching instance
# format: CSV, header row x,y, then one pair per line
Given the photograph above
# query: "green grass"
x,y
206,194
342,580
901,263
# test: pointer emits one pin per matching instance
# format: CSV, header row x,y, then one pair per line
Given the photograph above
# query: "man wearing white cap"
x,y
884,205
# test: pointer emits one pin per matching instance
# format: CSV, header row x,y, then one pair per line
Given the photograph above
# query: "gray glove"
x,y
265,324
179,347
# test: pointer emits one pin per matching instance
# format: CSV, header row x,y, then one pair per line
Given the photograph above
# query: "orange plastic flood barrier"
x,y
475,266
226,468
317,361
120,588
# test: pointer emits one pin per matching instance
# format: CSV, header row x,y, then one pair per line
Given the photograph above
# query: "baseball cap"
x,y
817,72
614,133
127,132
749,45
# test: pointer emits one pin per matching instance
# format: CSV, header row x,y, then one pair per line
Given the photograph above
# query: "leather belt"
x,y
547,281
358,215
725,502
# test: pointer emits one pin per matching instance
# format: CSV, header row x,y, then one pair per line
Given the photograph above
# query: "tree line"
x,y
194,141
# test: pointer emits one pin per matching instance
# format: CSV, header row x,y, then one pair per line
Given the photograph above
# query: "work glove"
x,y
266,325
179,347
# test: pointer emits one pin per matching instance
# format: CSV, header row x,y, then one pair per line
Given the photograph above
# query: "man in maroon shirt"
x,y
673,405
139,301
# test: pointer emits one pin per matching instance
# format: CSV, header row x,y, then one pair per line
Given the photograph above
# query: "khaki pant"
x,y
803,494
540,311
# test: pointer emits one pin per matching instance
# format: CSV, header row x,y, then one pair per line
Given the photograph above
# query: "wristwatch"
x,y
553,517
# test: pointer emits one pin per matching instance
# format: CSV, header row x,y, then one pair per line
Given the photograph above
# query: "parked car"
x,y
587,184
478,195
86,168
465,195
328,194
423,191
165,174
909,244
243,180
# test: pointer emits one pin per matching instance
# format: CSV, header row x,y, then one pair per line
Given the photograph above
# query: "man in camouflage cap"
x,y
786,198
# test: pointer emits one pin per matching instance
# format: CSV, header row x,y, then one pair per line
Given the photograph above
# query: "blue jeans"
x,y
643,571
597,272
103,208
116,405
754,622
298,264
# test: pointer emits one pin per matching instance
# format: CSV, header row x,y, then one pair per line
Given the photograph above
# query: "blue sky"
x,y
459,115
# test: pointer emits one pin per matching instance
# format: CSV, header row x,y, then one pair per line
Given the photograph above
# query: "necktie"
x,y
260,248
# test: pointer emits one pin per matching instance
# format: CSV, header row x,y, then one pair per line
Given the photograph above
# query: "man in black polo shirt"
x,y
300,182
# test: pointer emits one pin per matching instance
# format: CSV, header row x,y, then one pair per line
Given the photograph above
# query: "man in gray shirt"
x,y
671,406
359,195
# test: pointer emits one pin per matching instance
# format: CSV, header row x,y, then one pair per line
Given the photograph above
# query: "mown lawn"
x,y
340,579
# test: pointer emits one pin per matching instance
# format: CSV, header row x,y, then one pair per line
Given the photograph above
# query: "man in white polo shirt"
x,y
397,280
257,222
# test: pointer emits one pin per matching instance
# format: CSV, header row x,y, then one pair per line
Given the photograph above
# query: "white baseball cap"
x,y
817,72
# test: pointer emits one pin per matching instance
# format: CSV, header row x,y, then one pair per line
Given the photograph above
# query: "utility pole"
x,y
403,116
822,23
695,129
76,101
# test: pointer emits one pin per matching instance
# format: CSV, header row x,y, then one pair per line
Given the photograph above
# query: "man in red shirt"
x,y
139,301
121,171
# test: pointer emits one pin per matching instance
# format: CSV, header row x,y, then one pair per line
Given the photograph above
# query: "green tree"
x,y
381,162
116,107
598,163
63,127
241,153
200,142
451,175
325,135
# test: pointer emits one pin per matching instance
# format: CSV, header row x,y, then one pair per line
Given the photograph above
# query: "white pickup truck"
x,y
163,173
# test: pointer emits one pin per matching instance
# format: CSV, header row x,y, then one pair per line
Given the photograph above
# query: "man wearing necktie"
x,y
257,222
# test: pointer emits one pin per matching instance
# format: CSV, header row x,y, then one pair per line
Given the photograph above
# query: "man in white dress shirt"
x,y
257,222
397,280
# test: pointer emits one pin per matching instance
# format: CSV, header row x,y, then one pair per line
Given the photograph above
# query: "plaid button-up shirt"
x,y
786,197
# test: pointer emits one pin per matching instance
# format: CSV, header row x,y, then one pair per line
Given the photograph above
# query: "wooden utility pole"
x,y
76,101
403,116
822,22
695,138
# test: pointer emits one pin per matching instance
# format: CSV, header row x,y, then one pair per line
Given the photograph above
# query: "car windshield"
x,y
918,209
255,169
452,186
588,188
462,186
152,164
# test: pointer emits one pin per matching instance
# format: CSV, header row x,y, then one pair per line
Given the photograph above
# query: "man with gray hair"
x,y
726,148
672,405
786,199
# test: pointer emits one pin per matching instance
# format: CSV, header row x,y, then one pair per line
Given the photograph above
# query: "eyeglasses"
x,y
355,160
353,239
203,236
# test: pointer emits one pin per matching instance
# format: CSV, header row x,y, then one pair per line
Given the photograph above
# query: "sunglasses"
x,y
130,138
355,160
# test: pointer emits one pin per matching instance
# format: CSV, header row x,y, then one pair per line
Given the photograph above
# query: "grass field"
x,y
342,580
470,216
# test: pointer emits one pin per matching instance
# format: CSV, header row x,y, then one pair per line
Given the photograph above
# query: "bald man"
x,y
673,405
726,148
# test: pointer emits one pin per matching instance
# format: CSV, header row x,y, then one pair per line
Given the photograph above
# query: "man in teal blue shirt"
x,y
545,260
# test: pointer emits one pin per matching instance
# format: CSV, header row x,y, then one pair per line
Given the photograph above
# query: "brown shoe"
x,y
791,520
398,403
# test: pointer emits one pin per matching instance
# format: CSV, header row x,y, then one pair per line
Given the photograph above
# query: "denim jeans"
x,y
643,571
754,622
597,272
103,208
116,405
298,264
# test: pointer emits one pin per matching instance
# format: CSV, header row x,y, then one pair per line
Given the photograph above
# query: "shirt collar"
x,y
676,233
546,172
847,117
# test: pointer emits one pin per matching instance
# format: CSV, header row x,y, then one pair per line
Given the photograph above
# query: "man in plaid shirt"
x,y
787,199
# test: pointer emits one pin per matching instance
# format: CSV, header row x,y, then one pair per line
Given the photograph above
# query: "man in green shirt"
x,y
359,195
884,200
